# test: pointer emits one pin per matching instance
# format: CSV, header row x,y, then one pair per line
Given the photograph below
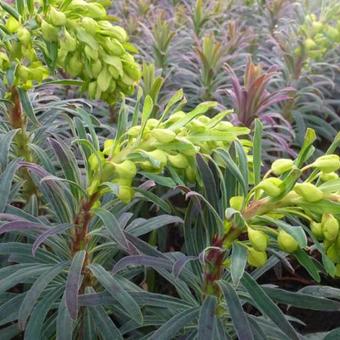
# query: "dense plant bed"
x,y
169,169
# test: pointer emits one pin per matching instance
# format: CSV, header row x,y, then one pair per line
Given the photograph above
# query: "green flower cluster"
x,y
157,145
315,200
75,36
320,37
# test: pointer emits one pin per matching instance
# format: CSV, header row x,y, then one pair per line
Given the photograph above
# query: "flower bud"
x,y
197,126
95,10
327,163
49,32
108,147
332,253
176,117
223,126
134,131
57,18
74,66
4,61
258,239
310,44
116,32
204,119
178,161
90,25
69,42
272,186
108,172
39,73
330,227
125,194
309,192
132,70
256,258
151,123
96,67
287,242
104,79
332,33
24,35
326,177
23,72
190,174
94,160
12,24
236,202
317,26
163,135
113,46
126,169
316,229
281,166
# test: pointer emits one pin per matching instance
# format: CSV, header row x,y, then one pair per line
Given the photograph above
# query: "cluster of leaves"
x,y
160,226
189,42
75,36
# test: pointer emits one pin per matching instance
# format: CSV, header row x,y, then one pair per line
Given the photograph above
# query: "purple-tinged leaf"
x,y
58,229
5,144
114,228
10,217
173,326
73,282
21,225
35,291
238,316
114,288
6,182
67,162
207,318
153,224
140,260
64,324
181,263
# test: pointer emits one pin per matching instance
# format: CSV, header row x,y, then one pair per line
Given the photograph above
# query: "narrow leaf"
x,y
73,283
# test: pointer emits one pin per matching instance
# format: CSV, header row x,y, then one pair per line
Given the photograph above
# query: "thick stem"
x,y
18,121
80,242
213,268
80,237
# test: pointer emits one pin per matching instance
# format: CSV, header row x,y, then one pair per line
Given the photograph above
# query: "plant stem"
x,y
80,241
18,121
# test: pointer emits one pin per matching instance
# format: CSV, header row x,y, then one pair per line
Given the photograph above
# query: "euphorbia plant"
x,y
75,227
219,244
286,192
76,37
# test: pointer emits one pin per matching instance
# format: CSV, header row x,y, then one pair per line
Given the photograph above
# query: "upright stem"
x,y
80,237
80,241
18,121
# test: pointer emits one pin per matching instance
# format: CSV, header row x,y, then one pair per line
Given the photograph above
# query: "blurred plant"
x,y
313,81
152,86
200,16
319,37
162,38
253,100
